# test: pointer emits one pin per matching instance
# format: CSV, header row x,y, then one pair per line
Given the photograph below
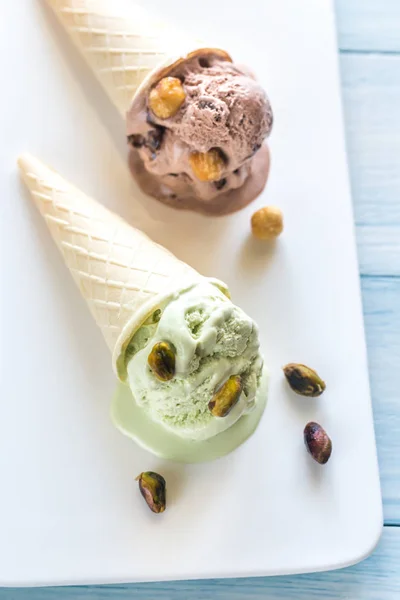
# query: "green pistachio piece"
x,y
303,380
153,489
156,316
162,361
226,397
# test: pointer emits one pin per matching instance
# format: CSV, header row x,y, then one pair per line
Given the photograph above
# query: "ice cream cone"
x,y
124,45
122,274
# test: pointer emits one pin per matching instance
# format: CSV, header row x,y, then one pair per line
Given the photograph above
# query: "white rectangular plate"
x,y
70,511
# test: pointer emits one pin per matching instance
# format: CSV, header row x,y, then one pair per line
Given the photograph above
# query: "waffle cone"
x,y
121,273
124,45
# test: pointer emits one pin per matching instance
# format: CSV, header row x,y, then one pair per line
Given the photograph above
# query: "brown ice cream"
x,y
197,136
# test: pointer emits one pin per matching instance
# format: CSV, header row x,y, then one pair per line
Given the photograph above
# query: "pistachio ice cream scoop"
x,y
196,370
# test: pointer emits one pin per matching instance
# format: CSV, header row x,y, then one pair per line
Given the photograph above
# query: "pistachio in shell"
x,y
161,361
226,397
303,380
153,489
318,442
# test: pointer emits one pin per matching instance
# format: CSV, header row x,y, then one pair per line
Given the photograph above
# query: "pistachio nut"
x,y
156,316
226,397
161,361
153,489
318,442
303,380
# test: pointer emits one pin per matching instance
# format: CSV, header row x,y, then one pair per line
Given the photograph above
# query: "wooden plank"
x,y
371,93
381,298
378,578
368,25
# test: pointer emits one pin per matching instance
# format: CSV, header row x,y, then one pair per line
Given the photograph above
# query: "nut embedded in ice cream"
x,y
211,118
207,166
226,397
217,364
166,98
162,361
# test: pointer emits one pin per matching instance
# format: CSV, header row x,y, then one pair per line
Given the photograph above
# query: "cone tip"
x,y
21,160
30,165
25,162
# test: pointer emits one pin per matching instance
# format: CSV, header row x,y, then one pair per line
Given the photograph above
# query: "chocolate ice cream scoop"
x,y
197,136
195,120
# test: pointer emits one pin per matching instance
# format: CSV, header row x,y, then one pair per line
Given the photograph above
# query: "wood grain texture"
x,y
368,25
381,298
378,578
371,94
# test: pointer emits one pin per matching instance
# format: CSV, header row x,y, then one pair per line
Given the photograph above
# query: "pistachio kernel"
x,y
226,397
303,380
318,442
153,489
156,316
161,361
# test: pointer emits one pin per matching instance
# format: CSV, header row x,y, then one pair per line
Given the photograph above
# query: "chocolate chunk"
x,y
236,171
207,104
150,121
220,184
204,63
137,141
203,104
154,139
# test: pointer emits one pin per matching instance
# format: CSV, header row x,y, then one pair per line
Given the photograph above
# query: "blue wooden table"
x,y
369,41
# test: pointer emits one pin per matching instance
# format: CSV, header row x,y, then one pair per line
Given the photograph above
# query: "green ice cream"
x,y
213,339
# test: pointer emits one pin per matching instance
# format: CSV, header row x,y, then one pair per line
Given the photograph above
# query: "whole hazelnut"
x,y
167,97
207,166
267,223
